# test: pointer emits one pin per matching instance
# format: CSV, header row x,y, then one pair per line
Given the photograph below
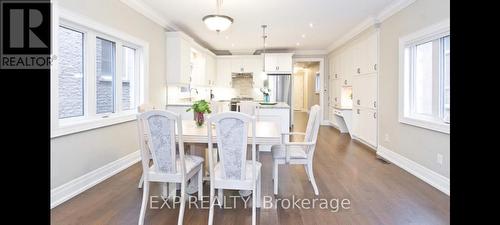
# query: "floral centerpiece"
x,y
199,108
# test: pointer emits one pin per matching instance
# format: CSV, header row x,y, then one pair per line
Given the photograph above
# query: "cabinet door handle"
x,y
241,69
359,71
335,75
357,111
374,115
358,102
345,82
374,104
375,66
335,99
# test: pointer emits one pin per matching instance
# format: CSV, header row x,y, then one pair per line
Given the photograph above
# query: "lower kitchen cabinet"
x,y
365,125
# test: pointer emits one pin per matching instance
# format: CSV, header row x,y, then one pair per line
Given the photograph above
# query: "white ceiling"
x,y
287,21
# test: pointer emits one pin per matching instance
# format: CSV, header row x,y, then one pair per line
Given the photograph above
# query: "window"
x,y
425,78
105,72
71,99
100,76
317,86
128,78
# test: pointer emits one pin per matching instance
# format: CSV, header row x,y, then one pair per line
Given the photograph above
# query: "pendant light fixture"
x,y
264,36
217,22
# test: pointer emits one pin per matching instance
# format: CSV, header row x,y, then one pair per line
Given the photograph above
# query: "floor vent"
x,y
383,160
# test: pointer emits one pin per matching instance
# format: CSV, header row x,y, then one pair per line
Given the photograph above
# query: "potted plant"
x,y
199,108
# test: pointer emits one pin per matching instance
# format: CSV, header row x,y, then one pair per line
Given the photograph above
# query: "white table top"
x,y
267,132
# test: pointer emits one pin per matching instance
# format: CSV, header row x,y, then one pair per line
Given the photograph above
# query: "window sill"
x,y
90,124
431,125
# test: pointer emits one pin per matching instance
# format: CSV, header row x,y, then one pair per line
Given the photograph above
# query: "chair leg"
x,y
145,196
183,203
313,181
200,184
212,202
141,181
220,196
254,207
308,173
276,177
259,191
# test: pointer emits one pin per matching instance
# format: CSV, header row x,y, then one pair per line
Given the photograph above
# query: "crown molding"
x,y
387,12
311,52
150,13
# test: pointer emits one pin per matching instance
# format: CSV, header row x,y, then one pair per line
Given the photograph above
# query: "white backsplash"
x,y
240,89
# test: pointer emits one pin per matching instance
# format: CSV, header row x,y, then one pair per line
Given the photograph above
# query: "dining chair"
x,y
233,171
168,165
143,108
298,152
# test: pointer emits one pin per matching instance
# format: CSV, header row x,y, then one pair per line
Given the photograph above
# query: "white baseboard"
x,y
436,180
74,187
326,123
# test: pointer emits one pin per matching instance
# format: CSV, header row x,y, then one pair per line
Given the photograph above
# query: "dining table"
x,y
266,133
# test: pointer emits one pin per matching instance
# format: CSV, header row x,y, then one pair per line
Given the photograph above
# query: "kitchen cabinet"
x,y
280,116
365,125
198,68
278,62
178,59
365,91
211,70
356,66
366,54
371,53
224,72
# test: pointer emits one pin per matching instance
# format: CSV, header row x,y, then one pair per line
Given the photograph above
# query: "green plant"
x,y
200,106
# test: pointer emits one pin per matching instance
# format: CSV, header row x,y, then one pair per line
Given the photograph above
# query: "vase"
x,y
266,97
199,118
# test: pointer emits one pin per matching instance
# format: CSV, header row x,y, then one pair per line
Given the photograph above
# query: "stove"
x,y
235,101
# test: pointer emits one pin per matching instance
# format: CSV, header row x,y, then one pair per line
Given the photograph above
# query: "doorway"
x,y
306,85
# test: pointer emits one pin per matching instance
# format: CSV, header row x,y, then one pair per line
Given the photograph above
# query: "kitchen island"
x,y
279,113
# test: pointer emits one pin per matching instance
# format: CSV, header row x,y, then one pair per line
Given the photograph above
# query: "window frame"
x,y
92,30
406,98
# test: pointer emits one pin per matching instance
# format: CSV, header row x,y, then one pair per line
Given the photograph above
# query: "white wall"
x,y
417,144
77,154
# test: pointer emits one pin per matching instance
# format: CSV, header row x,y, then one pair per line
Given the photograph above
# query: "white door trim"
x,y
322,81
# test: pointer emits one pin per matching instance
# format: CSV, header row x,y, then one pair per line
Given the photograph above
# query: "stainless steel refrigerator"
x,y
280,86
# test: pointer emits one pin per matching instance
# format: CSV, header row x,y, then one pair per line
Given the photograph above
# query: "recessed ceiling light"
x,y
303,35
311,25
227,37
298,44
232,45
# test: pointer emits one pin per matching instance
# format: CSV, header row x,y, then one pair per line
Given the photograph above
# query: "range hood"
x,y
242,75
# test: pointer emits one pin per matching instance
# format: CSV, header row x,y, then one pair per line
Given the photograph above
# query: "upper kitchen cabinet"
x,y
366,53
223,72
211,70
178,61
278,62
372,53
198,71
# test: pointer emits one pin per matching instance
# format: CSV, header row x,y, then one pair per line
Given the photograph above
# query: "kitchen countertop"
x,y
189,103
280,105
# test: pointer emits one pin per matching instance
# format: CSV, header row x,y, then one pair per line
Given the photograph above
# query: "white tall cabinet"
x,y
356,66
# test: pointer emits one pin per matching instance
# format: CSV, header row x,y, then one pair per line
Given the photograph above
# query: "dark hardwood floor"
x,y
379,193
